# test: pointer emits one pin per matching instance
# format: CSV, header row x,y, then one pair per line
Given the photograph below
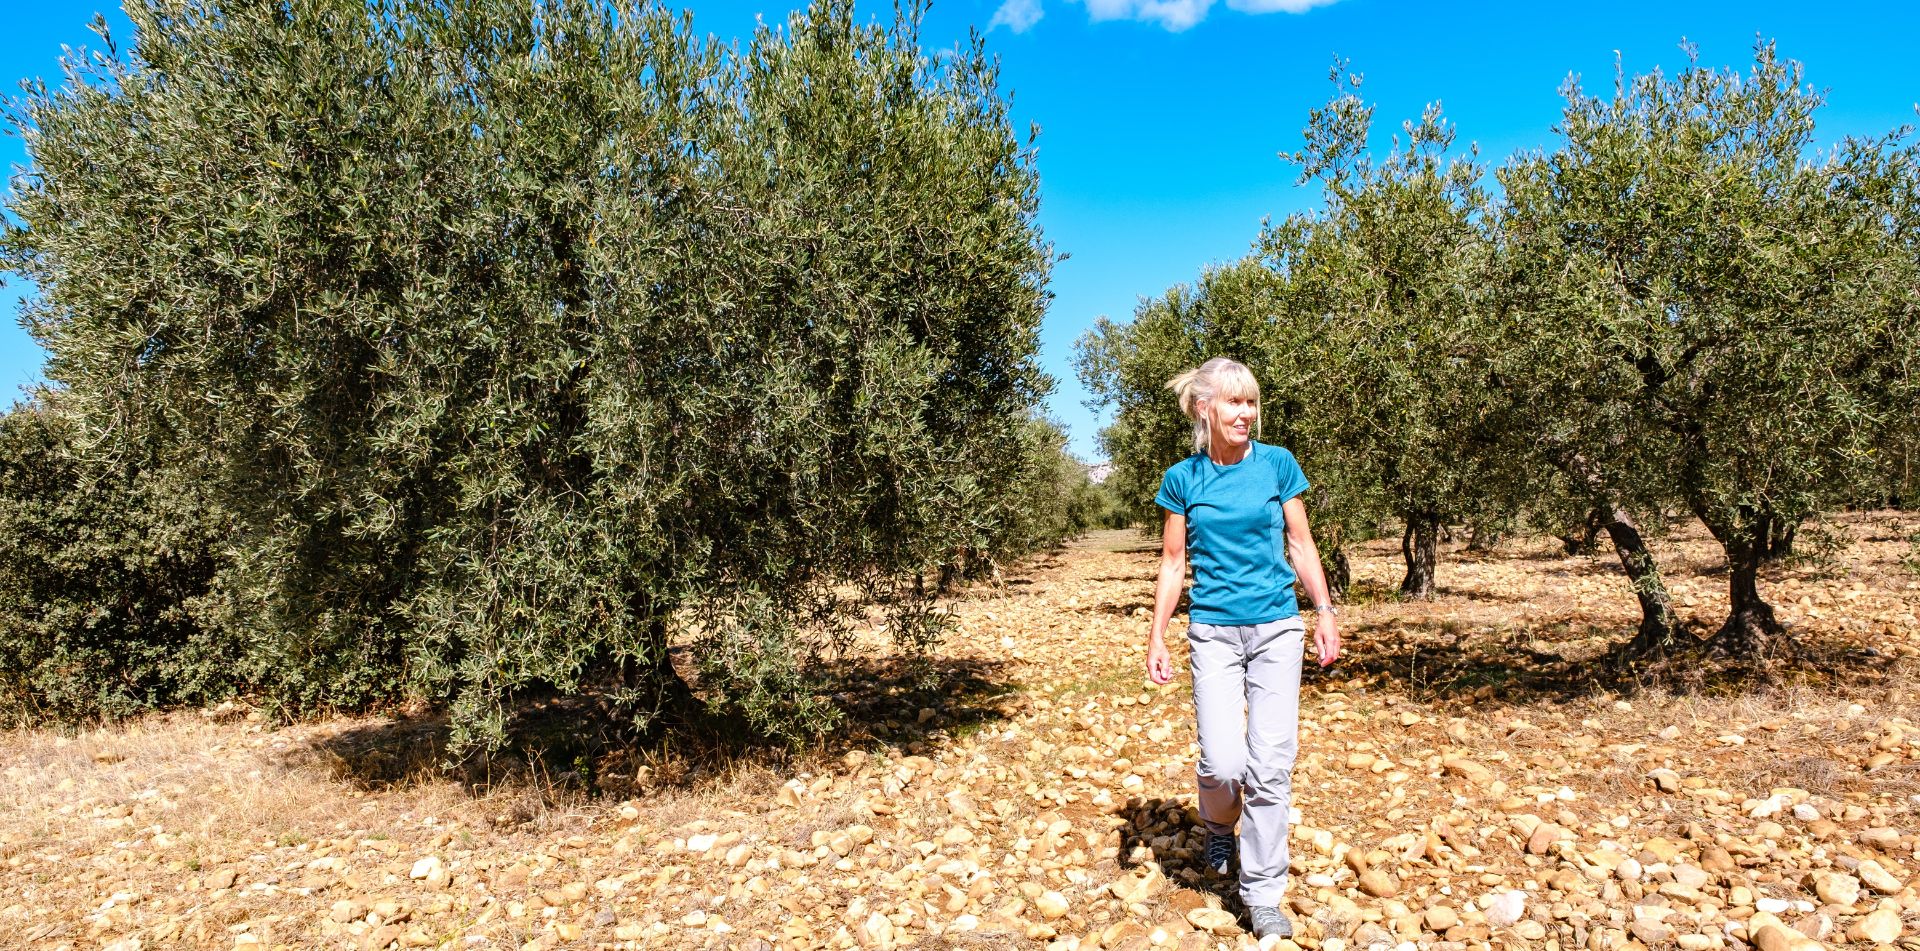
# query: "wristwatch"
x,y
1326,609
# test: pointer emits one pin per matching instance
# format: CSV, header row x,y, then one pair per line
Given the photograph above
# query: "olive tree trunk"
x,y
1657,623
1339,572
1751,629
1417,546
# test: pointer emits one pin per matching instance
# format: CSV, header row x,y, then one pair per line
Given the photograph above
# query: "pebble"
x,y
1051,905
1506,908
1875,876
1214,920
1882,926
1836,889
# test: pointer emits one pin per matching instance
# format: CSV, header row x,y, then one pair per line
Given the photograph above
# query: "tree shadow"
x,y
585,744
1448,593
1443,661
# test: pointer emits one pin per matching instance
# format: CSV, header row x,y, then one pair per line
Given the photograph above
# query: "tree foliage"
x,y
1387,278
106,574
1361,321
1684,307
1706,315
526,338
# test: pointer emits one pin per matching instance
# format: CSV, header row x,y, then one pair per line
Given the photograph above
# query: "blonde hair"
x,y
1218,377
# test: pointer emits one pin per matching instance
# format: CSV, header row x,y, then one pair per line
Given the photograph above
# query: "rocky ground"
x,y
1476,774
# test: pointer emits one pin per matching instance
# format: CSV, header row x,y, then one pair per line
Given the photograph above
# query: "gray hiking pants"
x,y
1246,697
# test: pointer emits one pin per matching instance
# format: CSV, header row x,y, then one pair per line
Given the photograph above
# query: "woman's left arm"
x,y
1305,557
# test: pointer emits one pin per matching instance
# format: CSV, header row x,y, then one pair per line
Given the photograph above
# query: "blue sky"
x,y
1162,120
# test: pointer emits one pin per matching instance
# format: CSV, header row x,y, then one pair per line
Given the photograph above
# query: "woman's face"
x,y
1232,419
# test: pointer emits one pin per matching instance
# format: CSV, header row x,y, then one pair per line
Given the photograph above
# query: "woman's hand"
x,y
1326,639
1159,662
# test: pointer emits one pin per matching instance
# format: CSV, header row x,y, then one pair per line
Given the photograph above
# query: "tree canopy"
x,y
1685,307
525,339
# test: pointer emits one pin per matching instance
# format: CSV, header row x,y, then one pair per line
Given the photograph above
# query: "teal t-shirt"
x,y
1237,533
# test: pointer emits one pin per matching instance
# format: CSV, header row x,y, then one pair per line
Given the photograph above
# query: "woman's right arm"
x,y
1166,596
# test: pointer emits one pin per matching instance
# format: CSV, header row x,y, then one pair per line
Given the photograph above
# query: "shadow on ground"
x,y
1443,661
1151,831
583,743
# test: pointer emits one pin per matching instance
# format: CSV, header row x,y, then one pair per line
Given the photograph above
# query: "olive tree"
x,y
1705,314
526,339
1385,281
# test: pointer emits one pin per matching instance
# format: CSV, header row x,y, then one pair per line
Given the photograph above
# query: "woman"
x,y
1231,504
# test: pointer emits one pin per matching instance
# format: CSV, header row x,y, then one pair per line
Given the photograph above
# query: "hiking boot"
x,y
1270,920
1220,850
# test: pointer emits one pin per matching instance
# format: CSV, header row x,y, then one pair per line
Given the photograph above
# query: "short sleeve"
x,y
1292,480
1173,492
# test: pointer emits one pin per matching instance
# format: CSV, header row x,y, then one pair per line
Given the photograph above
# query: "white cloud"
x,y
1277,6
1174,15
1017,15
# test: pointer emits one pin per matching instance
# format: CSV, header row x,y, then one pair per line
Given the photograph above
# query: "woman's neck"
x,y
1227,455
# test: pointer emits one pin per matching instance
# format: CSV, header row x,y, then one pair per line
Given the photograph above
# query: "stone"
x,y
1506,908
1140,885
1543,837
1124,932
1836,889
425,868
1051,905
1773,937
1880,927
1473,772
1665,780
1716,859
1663,849
1369,936
1439,918
1876,877
1816,926
1628,870
876,931
1379,883
1880,837
1692,876
1214,921
1651,931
